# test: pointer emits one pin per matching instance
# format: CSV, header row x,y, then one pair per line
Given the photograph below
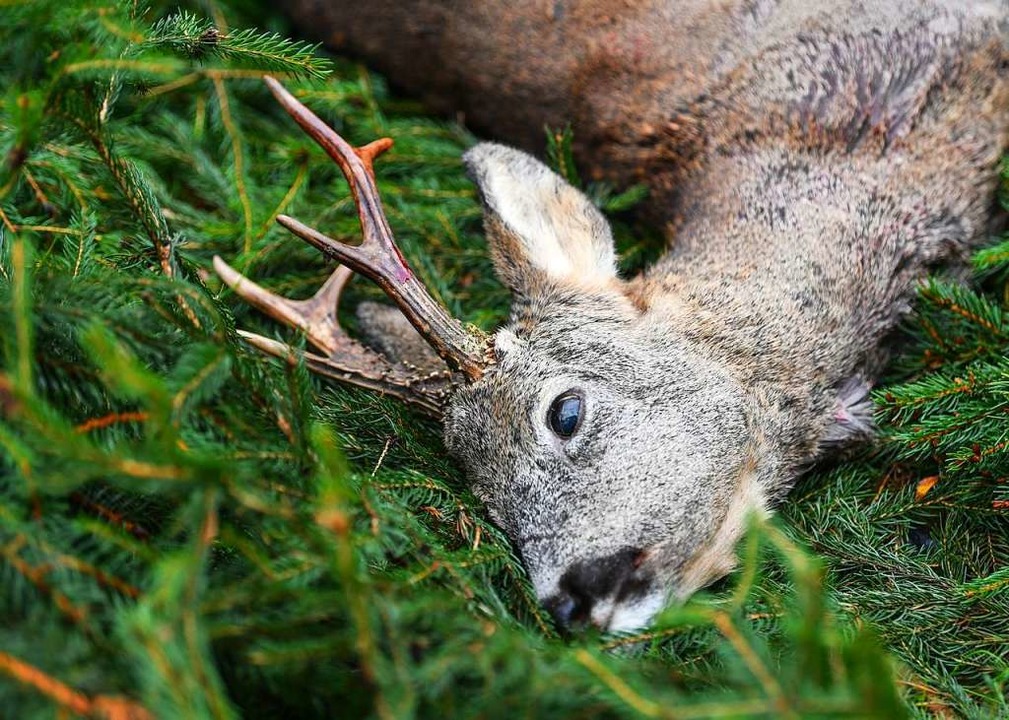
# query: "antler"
x,y
346,359
377,258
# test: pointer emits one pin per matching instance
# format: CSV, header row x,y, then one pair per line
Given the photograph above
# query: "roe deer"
x,y
619,430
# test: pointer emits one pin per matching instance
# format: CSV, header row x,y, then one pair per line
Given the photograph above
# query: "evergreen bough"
x,y
188,529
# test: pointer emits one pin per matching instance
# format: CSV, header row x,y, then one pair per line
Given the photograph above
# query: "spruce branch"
x,y
992,258
964,303
198,39
131,183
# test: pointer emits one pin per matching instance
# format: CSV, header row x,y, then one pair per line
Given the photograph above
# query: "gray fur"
x,y
388,331
836,159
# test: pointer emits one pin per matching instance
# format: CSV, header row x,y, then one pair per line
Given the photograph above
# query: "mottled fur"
x,y
810,160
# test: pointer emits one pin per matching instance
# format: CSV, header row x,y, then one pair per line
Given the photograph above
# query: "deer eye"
x,y
566,414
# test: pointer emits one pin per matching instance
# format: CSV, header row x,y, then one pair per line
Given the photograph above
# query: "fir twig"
x,y
197,38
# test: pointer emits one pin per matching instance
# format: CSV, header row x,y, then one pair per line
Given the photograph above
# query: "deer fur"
x,y
810,161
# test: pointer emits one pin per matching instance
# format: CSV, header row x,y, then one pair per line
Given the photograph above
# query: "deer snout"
x,y
599,584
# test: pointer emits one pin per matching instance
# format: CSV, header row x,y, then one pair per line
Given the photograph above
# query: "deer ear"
x,y
540,228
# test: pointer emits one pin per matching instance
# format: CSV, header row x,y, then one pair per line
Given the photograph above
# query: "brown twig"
x,y
110,516
110,419
107,707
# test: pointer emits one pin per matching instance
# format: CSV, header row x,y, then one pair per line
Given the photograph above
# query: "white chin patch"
x,y
630,615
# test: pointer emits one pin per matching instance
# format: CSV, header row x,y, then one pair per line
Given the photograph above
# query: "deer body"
x,y
812,167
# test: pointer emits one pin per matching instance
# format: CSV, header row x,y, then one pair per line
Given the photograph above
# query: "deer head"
x,y
617,458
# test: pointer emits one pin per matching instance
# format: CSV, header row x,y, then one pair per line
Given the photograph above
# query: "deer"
x,y
621,431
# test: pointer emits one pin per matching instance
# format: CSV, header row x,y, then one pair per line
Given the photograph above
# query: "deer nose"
x,y
587,582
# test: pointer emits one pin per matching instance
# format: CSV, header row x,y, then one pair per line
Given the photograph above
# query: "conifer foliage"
x,y
190,530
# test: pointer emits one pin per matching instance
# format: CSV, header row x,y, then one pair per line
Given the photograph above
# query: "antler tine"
x,y
378,257
346,359
316,317
357,164
427,394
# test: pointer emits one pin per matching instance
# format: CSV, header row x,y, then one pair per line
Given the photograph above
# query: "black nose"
x,y
587,582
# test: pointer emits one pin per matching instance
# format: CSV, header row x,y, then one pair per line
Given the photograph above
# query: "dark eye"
x,y
566,414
